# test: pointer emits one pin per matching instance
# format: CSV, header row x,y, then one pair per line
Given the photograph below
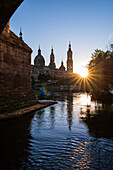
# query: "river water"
x,y
76,133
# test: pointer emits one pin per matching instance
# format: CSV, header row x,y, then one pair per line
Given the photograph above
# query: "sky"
x,y
87,24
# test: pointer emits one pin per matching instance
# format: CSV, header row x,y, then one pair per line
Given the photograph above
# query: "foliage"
x,y
100,70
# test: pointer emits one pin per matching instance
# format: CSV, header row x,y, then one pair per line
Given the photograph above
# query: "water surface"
x,y
75,133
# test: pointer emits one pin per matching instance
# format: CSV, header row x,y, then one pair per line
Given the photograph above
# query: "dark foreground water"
x,y
73,134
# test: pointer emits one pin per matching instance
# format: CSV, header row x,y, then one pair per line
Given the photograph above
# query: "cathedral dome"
x,y
39,59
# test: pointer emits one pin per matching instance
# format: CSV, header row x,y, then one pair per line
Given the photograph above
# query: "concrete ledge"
x,y
26,110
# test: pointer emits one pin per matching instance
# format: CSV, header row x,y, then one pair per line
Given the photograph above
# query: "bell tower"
x,y
69,60
52,60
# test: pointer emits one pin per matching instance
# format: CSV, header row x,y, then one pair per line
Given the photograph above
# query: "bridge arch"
x,y
7,8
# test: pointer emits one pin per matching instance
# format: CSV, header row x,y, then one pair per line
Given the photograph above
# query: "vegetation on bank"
x,y
100,78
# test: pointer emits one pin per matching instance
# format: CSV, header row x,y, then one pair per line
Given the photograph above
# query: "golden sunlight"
x,y
85,99
83,72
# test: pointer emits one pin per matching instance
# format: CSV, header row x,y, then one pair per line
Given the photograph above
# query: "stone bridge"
x,y
7,8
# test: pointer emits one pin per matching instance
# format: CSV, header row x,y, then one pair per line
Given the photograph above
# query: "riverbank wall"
x,y
27,110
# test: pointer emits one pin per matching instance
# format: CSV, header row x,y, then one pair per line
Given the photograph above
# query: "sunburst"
x,y
83,72
88,79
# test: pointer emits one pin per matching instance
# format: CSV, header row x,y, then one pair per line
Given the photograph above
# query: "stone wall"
x,y
15,71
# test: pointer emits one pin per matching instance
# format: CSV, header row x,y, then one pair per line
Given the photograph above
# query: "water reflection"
x,y
14,143
85,99
52,116
39,117
99,119
76,133
69,110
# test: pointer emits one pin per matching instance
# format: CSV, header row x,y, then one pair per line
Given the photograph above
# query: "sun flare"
x,y
83,72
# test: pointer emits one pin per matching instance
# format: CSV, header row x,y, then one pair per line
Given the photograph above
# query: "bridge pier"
x,y
15,72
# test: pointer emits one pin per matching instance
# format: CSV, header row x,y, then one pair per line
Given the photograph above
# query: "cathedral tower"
x,y
69,60
52,60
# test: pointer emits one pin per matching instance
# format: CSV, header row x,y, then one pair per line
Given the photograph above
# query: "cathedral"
x,y
40,68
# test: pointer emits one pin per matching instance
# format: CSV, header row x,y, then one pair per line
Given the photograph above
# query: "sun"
x,y
83,72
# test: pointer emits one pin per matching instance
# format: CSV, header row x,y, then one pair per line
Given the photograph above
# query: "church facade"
x,y
40,68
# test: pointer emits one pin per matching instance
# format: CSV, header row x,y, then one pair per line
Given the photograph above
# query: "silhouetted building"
x,y
62,68
52,62
69,60
40,68
39,60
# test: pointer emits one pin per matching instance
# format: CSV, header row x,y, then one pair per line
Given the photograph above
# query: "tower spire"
x,y
52,50
39,51
69,60
52,60
20,34
70,45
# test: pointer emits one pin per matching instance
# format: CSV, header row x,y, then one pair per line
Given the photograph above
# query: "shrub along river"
x,y
75,133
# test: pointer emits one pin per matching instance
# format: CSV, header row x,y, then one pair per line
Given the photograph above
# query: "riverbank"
x,y
103,96
27,110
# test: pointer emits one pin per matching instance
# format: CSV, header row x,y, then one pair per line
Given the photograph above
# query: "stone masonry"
x,y
15,72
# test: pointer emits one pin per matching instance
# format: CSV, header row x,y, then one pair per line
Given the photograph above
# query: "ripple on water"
x,y
57,138
73,153
58,148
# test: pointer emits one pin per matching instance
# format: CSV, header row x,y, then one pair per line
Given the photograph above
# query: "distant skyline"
x,y
87,24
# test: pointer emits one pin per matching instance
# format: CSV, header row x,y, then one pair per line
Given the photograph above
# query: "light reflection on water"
x,y
75,133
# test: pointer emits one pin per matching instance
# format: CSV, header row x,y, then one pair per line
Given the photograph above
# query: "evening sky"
x,y
87,24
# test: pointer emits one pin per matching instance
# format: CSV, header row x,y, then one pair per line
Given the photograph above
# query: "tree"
x,y
100,70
